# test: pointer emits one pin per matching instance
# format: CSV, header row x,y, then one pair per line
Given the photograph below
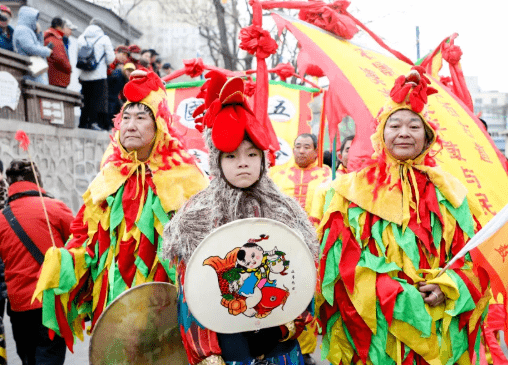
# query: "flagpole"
x,y
483,234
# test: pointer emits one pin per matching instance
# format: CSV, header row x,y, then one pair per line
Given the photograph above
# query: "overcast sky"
x,y
482,27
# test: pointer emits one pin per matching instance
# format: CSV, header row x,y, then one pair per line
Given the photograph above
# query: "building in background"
x,y
173,40
79,12
493,106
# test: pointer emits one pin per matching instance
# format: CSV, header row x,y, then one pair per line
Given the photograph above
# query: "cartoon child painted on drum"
x,y
251,288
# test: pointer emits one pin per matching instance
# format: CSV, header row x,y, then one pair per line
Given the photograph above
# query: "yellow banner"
x,y
467,153
290,115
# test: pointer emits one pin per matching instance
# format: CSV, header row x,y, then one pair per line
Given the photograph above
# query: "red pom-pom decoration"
x,y
23,139
257,41
415,85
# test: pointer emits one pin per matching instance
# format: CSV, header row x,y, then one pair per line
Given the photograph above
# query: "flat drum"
x,y
139,327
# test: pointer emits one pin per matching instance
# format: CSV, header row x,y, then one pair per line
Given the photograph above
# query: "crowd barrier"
x,y
30,101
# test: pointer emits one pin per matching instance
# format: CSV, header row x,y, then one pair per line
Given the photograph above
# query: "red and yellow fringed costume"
x,y
389,226
301,184
116,237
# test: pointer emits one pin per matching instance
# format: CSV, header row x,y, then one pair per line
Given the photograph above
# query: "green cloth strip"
x,y
67,275
199,83
458,340
461,214
146,220
465,302
116,215
377,350
141,266
159,212
407,241
49,312
410,308
325,348
331,272
328,199
377,232
353,217
437,230
377,264
116,283
164,262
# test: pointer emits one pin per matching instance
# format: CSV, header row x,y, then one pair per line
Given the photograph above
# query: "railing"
x,y
30,101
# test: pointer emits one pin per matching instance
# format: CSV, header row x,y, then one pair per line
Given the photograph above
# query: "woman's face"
x,y
404,135
242,167
137,131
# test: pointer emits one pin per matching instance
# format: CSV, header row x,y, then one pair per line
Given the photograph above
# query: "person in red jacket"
x,y
121,58
59,70
135,55
33,344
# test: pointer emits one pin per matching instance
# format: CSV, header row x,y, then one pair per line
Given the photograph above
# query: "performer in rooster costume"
x,y
388,231
116,238
240,188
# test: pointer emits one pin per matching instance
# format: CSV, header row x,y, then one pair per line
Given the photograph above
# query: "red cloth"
x,y
59,67
21,269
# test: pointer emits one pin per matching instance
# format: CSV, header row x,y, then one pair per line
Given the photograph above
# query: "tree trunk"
x,y
229,62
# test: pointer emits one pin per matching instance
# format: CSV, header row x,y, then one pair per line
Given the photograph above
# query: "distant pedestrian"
x,y
60,69
121,58
6,30
67,30
28,39
135,55
94,85
22,258
166,69
116,82
153,60
157,66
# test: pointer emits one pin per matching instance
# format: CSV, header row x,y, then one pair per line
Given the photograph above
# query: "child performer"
x,y
240,189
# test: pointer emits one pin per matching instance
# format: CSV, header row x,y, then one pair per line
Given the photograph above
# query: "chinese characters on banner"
x,y
363,78
287,109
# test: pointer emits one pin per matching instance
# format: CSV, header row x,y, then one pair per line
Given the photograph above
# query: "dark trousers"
x,y
95,104
33,344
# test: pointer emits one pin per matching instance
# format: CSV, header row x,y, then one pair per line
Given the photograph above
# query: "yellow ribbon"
x,y
399,352
407,194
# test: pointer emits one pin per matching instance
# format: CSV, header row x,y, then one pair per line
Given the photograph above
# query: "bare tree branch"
x,y
133,6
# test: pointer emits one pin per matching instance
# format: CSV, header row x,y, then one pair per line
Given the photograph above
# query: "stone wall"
x,y
68,159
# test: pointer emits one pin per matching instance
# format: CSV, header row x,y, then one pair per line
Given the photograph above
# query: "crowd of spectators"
x,y
101,87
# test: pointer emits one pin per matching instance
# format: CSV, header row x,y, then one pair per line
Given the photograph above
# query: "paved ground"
x,y
80,356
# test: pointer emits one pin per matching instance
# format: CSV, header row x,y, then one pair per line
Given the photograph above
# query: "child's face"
x,y
242,167
253,257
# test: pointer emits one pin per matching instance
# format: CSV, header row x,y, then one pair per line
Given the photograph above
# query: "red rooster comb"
x,y
228,114
415,86
142,82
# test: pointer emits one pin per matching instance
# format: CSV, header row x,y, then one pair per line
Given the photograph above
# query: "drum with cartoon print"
x,y
249,274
